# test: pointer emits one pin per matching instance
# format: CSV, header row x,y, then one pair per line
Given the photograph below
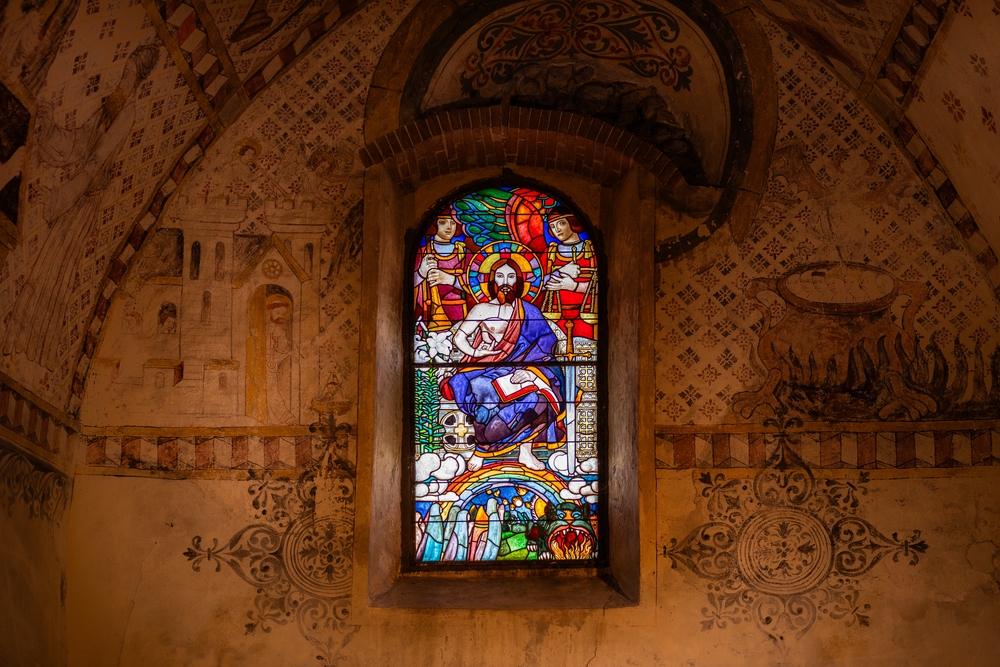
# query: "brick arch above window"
x,y
419,144
501,135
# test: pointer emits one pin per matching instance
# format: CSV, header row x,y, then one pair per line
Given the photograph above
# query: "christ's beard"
x,y
505,294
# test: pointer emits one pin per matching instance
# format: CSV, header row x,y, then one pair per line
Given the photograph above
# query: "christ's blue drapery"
x,y
499,425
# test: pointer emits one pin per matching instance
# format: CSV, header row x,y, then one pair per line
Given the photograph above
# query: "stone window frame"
x,y
624,214
618,181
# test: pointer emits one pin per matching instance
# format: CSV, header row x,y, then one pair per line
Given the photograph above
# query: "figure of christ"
x,y
518,402
440,294
569,269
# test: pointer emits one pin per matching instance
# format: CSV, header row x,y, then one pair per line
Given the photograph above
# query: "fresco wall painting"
x,y
280,213
826,321
645,68
107,118
955,109
784,549
299,553
851,328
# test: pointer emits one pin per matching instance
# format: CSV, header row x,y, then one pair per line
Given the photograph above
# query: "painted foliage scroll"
x,y
505,381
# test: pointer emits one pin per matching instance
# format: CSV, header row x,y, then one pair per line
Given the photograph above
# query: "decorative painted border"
x,y
947,195
898,78
171,453
308,36
820,450
187,28
910,48
45,492
862,450
27,419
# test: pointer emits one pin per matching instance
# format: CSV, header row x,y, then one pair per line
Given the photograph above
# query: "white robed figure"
x,y
87,153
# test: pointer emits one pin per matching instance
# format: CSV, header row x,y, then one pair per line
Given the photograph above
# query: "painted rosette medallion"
x,y
317,555
784,551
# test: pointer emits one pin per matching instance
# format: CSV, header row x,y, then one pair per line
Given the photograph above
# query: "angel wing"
x,y
483,216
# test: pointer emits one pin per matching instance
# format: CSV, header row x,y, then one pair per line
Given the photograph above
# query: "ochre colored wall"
x,y
815,485
33,561
135,599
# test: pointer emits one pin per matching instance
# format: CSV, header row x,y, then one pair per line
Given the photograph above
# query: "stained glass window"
x,y
505,389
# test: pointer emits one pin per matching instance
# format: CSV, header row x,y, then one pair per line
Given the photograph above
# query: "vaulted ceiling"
x,y
211,62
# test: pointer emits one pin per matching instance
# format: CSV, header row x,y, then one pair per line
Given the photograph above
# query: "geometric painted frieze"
x,y
22,416
866,450
170,452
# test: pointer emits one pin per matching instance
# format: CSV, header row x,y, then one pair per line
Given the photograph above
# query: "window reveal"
x,y
505,382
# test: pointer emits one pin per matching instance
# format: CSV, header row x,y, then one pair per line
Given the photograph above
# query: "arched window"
x,y
307,258
195,260
505,382
206,307
220,261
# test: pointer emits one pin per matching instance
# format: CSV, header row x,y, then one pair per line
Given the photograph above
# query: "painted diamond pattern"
x,y
828,149
166,119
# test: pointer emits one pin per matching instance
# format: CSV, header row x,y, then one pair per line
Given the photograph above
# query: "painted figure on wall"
x,y
440,294
132,317
325,176
30,41
87,153
244,172
505,381
270,356
166,320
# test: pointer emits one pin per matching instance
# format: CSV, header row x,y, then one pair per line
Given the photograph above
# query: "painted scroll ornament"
x,y
299,556
784,549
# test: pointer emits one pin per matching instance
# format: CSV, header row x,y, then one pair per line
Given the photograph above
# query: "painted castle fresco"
x,y
261,260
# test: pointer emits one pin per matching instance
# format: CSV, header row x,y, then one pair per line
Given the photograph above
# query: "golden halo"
x,y
480,269
486,268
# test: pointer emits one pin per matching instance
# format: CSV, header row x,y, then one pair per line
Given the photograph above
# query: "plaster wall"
x,y
33,560
955,106
135,600
178,548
